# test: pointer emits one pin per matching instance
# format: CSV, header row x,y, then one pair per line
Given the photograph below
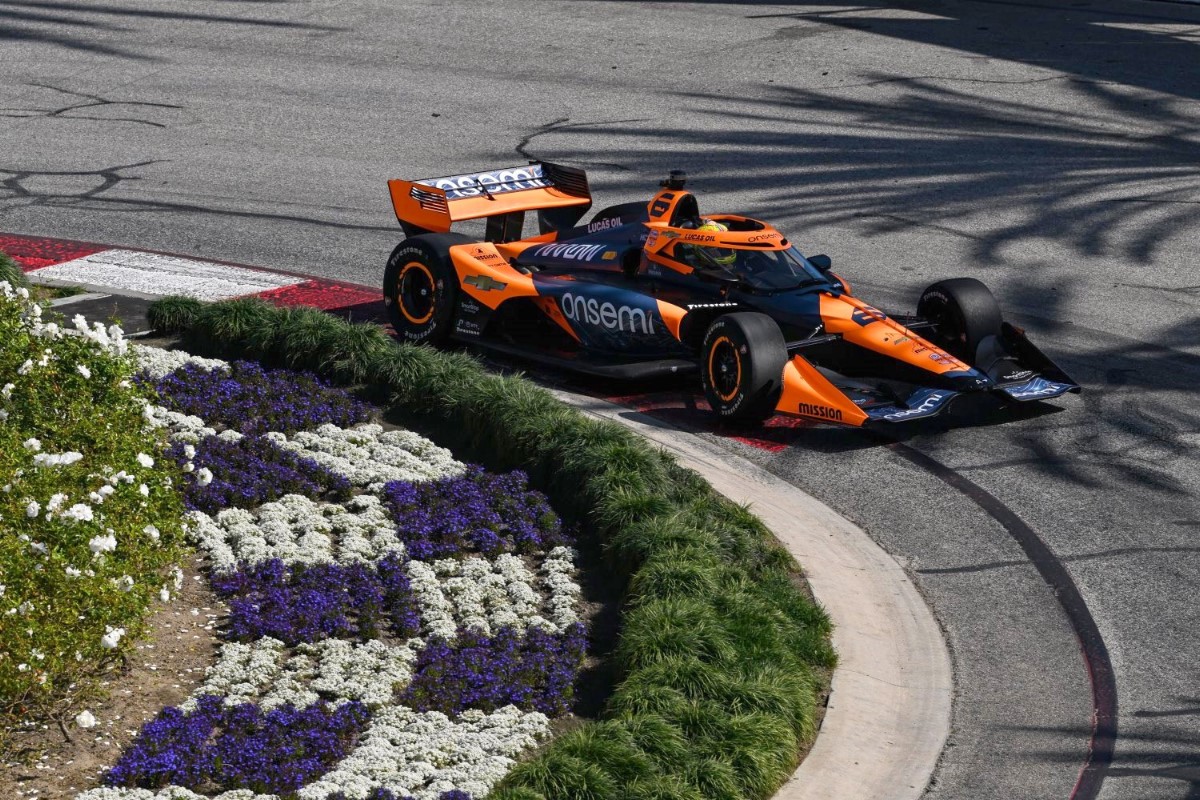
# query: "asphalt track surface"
x,y
1050,150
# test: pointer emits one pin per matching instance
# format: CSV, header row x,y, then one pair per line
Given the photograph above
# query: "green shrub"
x,y
557,774
679,572
236,320
66,584
713,777
173,314
668,629
658,739
610,746
722,655
11,272
662,788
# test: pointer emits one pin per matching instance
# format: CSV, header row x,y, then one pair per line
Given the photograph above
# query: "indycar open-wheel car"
x,y
654,288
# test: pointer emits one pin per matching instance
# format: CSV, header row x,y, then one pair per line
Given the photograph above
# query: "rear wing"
x,y
559,194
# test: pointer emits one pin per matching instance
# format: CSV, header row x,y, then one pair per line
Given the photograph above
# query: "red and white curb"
x,y
141,273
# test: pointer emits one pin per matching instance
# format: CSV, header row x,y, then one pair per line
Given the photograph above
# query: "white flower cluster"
x,y
369,456
158,363
298,531
186,428
111,338
486,595
337,670
425,754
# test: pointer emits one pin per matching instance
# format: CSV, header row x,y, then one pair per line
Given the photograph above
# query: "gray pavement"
x,y
1051,151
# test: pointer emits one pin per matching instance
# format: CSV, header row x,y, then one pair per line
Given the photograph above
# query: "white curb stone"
x,y
153,274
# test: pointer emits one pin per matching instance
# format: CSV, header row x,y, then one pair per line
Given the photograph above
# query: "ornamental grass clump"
x,y
11,273
248,471
478,511
251,400
91,522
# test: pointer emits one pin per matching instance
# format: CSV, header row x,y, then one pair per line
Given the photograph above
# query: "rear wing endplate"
x,y
560,194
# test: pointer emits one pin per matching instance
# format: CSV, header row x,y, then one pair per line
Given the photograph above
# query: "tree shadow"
x,y
930,155
1165,752
70,24
1135,44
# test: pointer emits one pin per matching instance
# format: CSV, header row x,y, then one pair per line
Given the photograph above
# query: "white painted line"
x,y
889,710
155,275
77,298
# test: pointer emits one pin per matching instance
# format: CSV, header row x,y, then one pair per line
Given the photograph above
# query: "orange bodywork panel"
x,y
865,326
428,206
808,393
435,203
485,275
549,307
672,316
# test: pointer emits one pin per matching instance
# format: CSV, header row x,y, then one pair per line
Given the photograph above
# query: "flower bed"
x,y
721,657
400,625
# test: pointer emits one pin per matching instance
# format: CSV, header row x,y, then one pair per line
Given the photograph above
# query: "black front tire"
x,y
420,287
741,369
965,312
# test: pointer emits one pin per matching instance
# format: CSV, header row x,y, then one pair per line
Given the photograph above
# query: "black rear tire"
x,y
741,368
965,312
420,287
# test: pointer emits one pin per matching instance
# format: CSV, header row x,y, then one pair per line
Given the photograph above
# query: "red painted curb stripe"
x,y
35,252
322,294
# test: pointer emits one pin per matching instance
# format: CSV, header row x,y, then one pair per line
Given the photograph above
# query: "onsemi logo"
x,y
457,187
575,252
617,318
927,405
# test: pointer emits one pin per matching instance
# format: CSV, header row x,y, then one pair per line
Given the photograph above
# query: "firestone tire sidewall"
x,y
437,329
759,382
727,409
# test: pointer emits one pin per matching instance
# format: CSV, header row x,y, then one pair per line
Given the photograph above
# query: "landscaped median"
x,y
721,656
400,622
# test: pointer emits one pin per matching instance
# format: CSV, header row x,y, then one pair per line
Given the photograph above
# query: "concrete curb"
x,y
889,710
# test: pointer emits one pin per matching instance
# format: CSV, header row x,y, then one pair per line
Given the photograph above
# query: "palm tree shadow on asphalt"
x,y
1158,757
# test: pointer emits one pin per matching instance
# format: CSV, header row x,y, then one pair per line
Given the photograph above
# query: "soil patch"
x,y
163,670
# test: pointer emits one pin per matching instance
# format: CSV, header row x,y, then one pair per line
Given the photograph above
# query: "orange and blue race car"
x,y
655,288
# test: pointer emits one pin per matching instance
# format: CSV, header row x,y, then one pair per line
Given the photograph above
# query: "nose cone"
x,y
971,380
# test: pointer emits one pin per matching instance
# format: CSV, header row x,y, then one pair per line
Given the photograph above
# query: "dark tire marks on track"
x,y
1102,742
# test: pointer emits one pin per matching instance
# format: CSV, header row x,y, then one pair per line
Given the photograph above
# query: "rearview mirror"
x,y
821,262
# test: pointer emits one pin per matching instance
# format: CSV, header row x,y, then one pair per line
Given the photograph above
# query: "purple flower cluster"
x,y
239,747
248,398
252,471
307,603
533,672
477,511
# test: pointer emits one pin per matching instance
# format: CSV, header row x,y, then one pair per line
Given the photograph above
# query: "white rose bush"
x,y
401,625
81,478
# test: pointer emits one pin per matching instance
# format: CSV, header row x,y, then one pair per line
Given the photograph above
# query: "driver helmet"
x,y
719,255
